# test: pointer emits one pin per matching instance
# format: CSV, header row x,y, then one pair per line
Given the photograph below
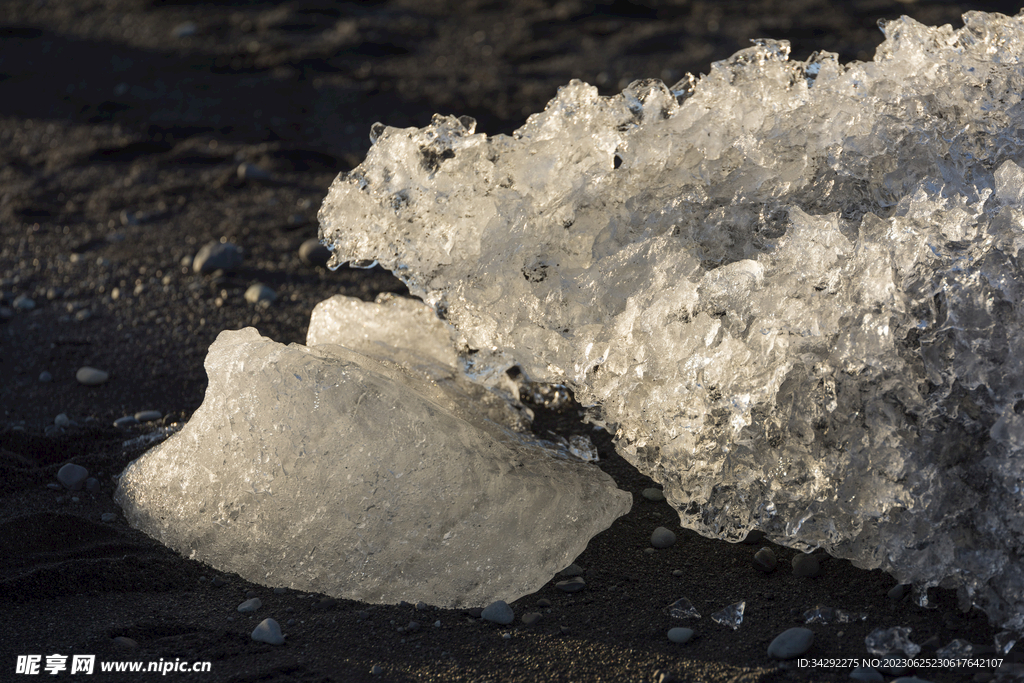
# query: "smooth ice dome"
x,y
791,289
322,469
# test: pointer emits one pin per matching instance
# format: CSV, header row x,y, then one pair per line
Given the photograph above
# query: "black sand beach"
x,y
123,126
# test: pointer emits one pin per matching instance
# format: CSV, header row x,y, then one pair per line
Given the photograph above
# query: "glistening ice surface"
x,y
323,469
791,289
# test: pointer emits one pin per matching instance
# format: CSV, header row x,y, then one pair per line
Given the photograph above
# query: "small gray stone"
x,y
250,605
865,674
499,612
573,585
62,420
126,642
148,415
791,643
247,171
44,376
314,253
23,303
90,377
680,634
72,476
572,570
268,631
108,517
663,538
217,256
655,495
259,292
185,30
543,603
531,618
764,560
376,670
125,422
898,592
806,565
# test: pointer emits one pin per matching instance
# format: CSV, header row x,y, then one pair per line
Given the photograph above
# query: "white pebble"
x,y
91,376
268,631
259,292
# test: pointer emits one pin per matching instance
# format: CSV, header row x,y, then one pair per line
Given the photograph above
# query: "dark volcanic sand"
x,y
119,144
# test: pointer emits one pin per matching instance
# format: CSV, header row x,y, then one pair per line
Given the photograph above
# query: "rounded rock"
x,y
531,618
572,570
663,538
250,605
23,303
498,612
44,376
791,643
126,642
268,631
91,377
806,565
573,585
62,420
680,634
217,256
313,253
72,476
654,495
148,415
125,422
259,292
764,560
865,674
108,517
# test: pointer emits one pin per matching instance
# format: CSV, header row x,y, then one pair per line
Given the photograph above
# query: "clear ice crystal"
x,y
958,648
682,609
328,469
830,615
792,290
888,641
731,616
1004,641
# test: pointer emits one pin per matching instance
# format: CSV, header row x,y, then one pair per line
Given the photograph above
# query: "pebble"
x,y
764,560
148,415
678,572
865,674
23,303
791,643
499,612
268,631
280,590
376,670
573,585
806,565
572,570
90,377
72,476
663,538
62,420
250,605
680,634
531,618
259,292
217,256
898,592
185,29
655,495
543,603
247,171
125,422
314,253
44,376
108,517
126,642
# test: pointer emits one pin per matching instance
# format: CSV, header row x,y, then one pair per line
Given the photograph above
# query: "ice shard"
x,y
325,469
792,289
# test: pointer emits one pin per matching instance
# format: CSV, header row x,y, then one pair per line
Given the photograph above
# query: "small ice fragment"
x,y
886,641
731,616
958,648
1005,640
682,609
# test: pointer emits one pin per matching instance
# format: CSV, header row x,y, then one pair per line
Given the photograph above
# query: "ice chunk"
x,y
322,469
792,290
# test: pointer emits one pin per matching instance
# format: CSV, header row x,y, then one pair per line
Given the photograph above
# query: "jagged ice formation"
x,y
791,289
